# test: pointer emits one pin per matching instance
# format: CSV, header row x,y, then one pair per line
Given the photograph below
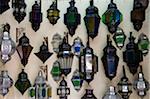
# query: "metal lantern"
x,y
53,13
7,44
24,49
36,15
132,56
138,13
19,7
23,83
110,59
63,91
124,86
112,17
141,85
65,56
5,82
92,20
89,94
72,18
4,5
111,94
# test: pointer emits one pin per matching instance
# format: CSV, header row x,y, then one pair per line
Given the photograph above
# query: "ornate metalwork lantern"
x,y
72,18
138,13
110,59
53,13
5,82
141,85
19,7
24,49
23,83
63,91
89,94
36,15
112,17
132,56
92,20
7,44
4,5
124,86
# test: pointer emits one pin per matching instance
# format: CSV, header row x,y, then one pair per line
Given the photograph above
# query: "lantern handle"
x,y
141,69
88,41
91,3
111,1
124,72
108,39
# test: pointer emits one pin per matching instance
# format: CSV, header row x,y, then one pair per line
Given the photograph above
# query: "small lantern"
x,y
112,17
92,20
7,44
23,83
5,83
4,5
141,85
63,91
65,56
132,56
124,86
89,94
110,59
53,13
36,15
111,94
143,43
19,7
119,38
72,18
24,49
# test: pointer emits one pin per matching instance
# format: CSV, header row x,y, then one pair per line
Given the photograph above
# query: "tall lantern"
x,y
89,94
4,5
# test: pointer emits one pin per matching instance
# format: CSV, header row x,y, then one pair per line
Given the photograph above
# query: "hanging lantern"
x,y
53,13
110,59
19,7
132,56
119,38
24,49
23,83
143,44
4,5
36,15
7,44
112,17
40,90
89,94
141,85
111,94
5,83
63,91
124,86
72,18
65,56
92,20
138,13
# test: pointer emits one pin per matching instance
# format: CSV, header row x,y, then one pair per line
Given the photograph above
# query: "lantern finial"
x,y
91,2
112,1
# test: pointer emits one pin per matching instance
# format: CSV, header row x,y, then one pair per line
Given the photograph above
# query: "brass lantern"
x,y
4,5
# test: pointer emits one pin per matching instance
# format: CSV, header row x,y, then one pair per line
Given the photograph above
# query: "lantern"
x,y
53,13
110,59
5,82
24,49
65,56
124,86
19,7
36,15
112,17
7,44
23,83
138,13
141,85
132,56
4,5
92,20
63,91
72,18
89,94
